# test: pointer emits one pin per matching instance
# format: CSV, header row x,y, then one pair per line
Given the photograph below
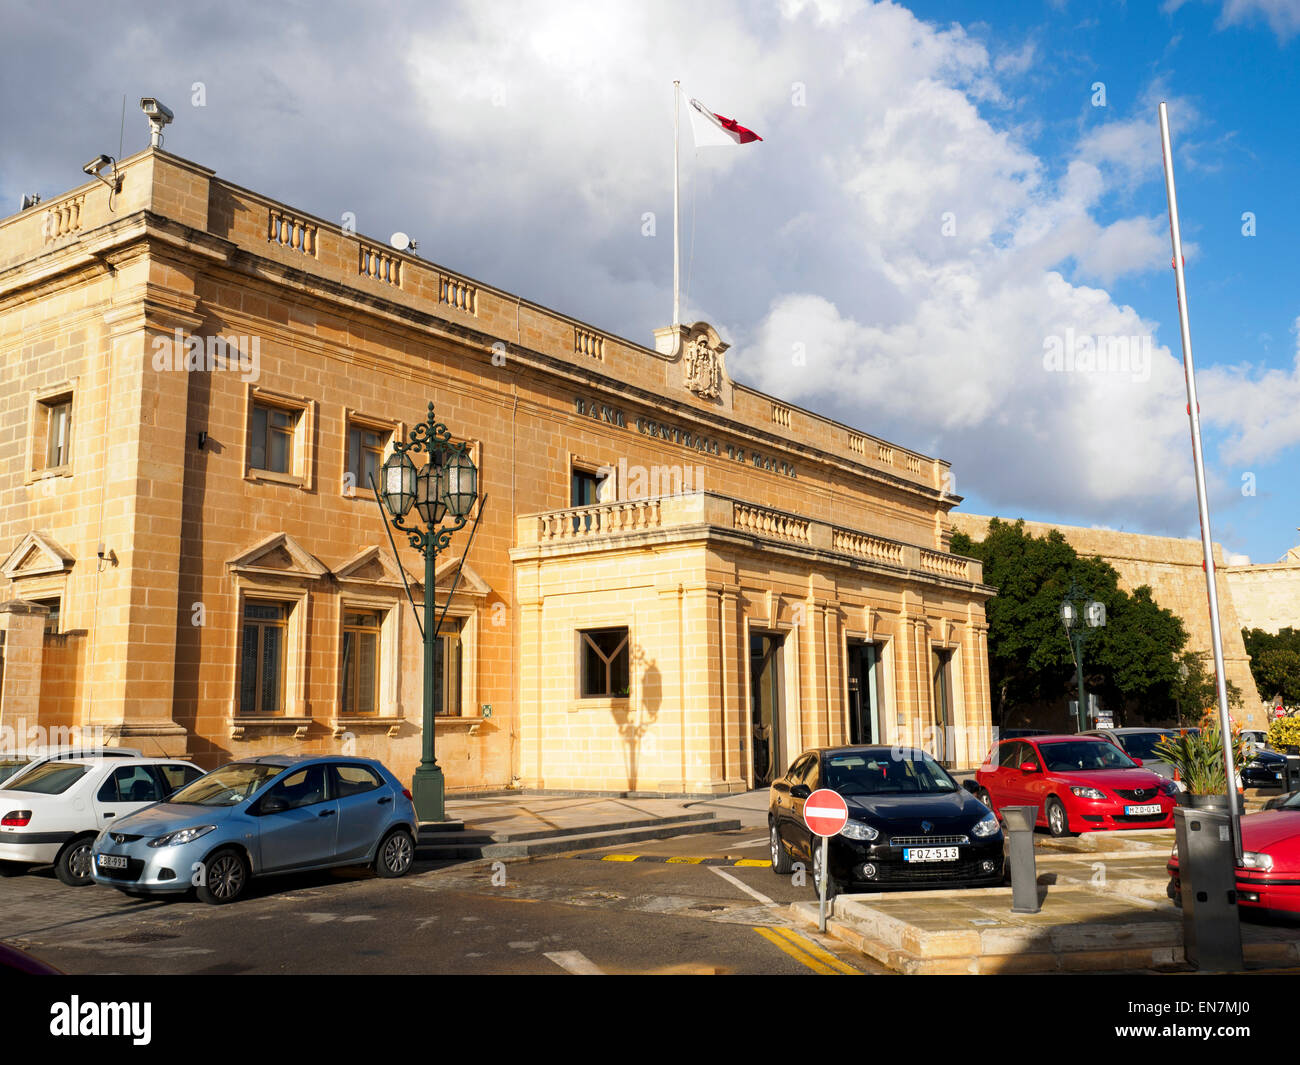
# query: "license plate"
x,y
929,854
110,861
1137,811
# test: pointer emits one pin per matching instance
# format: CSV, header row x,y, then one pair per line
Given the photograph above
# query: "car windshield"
x,y
1075,755
227,786
1143,744
52,778
867,774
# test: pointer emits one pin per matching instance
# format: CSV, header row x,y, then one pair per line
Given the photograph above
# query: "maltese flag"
x,y
712,130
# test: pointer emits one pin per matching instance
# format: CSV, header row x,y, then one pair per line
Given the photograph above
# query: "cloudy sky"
x,y
953,203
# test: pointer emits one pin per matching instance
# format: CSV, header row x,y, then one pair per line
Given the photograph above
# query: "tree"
x,y
1275,662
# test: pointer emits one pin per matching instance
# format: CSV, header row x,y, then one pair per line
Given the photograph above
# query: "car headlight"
x,y
1089,793
181,835
860,830
986,826
1171,787
1256,860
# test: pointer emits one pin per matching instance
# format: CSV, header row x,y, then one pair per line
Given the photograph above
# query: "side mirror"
x,y
800,791
1136,761
971,786
272,804
1029,767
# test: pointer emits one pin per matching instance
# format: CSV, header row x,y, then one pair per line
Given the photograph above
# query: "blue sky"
x,y
935,203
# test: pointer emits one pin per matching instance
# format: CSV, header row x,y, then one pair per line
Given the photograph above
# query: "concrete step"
x,y
574,840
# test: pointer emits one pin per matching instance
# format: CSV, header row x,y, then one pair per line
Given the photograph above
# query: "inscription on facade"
x,y
603,412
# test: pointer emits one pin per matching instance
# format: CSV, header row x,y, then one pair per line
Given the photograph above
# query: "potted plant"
x,y
1197,756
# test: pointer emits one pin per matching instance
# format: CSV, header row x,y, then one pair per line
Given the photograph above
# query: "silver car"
x,y
259,817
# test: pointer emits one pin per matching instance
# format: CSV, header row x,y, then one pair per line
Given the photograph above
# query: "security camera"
x,y
102,162
158,114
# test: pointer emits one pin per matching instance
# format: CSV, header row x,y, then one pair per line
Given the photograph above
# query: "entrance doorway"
x,y
941,669
866,693
765,711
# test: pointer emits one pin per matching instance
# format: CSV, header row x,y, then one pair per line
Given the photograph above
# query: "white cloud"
x,y
1259,409
1282,16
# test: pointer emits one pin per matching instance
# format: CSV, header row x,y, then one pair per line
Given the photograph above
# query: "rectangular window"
x,y
584,490
58,437
365,456
604,658
448,668
261,666
360,687
271,447
55,610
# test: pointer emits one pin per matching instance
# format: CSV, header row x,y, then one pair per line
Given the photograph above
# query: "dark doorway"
x,y
765,715
941,674
866,693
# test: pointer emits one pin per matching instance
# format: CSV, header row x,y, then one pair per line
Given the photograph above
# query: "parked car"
x,y
1077,783
1263,768
1254,737
19,761
259,817
910,825
52,812
1140,744
1269,876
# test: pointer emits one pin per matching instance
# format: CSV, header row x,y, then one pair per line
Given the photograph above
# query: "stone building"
x,y
1173,568
677,583
1267,594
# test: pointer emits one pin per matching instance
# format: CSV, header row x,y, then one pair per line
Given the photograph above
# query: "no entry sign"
x,y
825,813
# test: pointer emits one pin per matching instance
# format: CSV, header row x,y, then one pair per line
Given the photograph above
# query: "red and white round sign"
x,y
825,813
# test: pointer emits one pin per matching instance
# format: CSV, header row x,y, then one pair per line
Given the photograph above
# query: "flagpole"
x,y
1202,499
677,258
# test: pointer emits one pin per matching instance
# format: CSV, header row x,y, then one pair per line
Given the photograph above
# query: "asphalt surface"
x,y
568,914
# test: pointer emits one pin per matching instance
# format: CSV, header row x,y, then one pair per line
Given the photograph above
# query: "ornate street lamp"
x,y
442,490
1079,616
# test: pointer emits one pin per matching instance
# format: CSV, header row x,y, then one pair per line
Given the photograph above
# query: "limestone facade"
x,y
191,378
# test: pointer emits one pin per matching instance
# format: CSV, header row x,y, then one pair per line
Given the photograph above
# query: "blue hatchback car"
x,y
260,817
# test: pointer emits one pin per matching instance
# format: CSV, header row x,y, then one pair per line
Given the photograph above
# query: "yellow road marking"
x,y
817,951
684,861
798,955
619,858
755,863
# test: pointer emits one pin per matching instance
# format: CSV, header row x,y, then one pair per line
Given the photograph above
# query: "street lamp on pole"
x,y
1079,616
442,490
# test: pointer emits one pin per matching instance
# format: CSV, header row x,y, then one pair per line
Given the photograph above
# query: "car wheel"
x,y
987,800
72,866
833,886
781,862
1058,821
224,878
395,854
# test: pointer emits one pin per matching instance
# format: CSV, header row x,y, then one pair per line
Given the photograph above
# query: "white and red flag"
x,y
712,130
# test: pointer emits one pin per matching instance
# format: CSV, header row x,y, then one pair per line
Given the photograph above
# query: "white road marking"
x,y
574,961
752,842
743,886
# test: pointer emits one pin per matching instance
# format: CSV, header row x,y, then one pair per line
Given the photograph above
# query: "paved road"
x,y
555,915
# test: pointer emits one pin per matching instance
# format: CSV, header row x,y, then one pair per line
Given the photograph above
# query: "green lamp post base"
x,y
428,790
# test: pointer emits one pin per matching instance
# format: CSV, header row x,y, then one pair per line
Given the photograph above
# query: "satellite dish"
x,y
402,242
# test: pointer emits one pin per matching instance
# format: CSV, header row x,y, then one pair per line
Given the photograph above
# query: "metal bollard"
x,y
1024,869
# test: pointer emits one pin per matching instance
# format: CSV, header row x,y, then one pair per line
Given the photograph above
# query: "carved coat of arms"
x,y
703,367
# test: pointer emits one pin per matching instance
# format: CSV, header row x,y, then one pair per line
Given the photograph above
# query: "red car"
x,y
1078,784
1269,876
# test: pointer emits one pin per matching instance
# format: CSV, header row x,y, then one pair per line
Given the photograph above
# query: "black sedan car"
x,y
1263,768
910,824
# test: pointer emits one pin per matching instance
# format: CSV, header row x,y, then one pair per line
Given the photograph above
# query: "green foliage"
x,y
1132,662
1275,663
1198,757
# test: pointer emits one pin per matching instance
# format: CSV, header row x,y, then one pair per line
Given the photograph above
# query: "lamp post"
x,y
1080,616
442,490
